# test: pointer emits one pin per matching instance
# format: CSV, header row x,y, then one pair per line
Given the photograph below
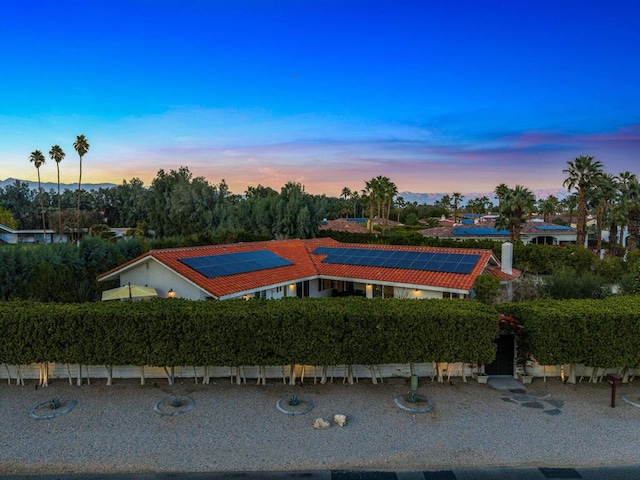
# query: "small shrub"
x,y
176,402
412,397
54,403
487,289
566,284
293,400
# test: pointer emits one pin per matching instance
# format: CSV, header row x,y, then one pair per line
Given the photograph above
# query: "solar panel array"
x,y
552,227
213,266
425,261
479,232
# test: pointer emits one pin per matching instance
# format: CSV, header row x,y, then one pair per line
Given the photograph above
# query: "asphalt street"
x,y
500,473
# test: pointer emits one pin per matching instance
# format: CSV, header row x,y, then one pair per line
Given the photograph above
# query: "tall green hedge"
x,y
170,332
599,333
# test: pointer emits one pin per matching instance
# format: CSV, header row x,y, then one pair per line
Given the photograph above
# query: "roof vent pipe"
x,y
507,258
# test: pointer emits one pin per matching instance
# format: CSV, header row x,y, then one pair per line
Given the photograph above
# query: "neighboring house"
x,y
351,225
9,235
355,225
310,268
532,232
624,233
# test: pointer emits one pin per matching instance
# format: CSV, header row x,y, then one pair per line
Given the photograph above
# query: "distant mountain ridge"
x,y
46,186
431,198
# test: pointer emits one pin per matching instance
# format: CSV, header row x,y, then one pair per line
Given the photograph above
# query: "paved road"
x,y
504,473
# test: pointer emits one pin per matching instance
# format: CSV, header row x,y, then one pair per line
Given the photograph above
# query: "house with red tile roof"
x,y
534,231
310,268
351,225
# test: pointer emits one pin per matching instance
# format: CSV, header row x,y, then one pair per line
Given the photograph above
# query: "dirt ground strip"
x,y
115,428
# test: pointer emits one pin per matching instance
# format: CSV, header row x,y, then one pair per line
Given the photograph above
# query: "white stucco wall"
x,y
409,293
163,279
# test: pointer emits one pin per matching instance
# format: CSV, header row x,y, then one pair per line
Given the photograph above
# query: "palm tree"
x,y
81,146
457,198
444,203
548,207
37,158
626,184
368,197
355,197
633,212
57,154
500,191
388,191
344,206
569,203
514,206
400,204
582,174
602,198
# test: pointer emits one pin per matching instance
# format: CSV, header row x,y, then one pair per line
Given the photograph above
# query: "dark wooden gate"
x,y
505,355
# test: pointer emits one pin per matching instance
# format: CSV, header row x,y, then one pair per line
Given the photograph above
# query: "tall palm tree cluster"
x,y
615,200
81,145
515,205
379,193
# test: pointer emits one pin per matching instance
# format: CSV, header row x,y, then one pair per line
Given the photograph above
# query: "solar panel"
x,y
552,227
213,266
425,261
477,232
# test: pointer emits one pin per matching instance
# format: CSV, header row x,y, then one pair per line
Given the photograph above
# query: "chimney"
x,y
507,258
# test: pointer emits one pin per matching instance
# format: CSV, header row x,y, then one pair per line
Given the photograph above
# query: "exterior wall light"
x,y
171,293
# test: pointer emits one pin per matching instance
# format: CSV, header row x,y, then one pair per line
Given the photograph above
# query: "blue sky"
x,y
439,96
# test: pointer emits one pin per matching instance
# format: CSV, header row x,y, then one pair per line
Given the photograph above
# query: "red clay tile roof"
x,y
399,275
343,225
437,232
306,264
500,275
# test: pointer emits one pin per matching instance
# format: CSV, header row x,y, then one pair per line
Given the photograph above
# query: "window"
x,y
302,289
449,295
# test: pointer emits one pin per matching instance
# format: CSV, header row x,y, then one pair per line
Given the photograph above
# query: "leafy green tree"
x,y
7,219
582,175
20,200
179,204
295,213
487,289
51,283
565,284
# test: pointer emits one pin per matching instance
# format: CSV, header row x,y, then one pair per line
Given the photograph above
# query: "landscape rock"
x,y
340,420
321,424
